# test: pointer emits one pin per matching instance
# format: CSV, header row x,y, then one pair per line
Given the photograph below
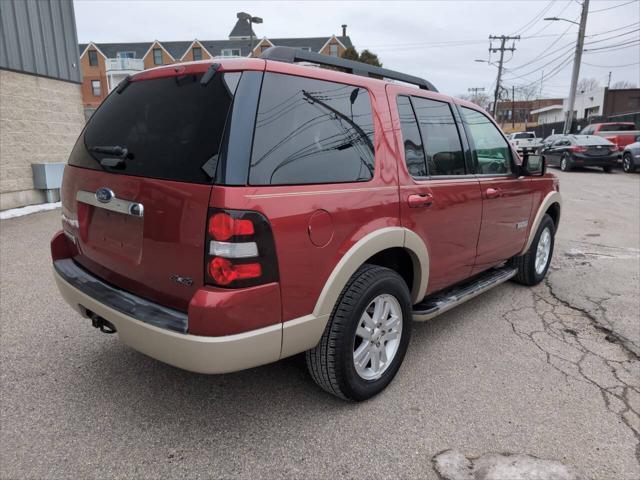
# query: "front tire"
x,y
366,338
533,265
627,163
565,163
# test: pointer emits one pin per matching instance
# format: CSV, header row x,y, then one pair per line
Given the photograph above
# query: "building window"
x,y
333,49
157,56
96,89
231,52
197,53
126,55
264,47
93,58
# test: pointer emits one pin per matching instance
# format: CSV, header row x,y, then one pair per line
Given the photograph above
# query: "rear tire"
x,y
332,363
627,163
565,163
533,265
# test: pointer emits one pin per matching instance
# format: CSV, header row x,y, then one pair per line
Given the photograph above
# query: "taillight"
x,y
614,148
578,149
240,251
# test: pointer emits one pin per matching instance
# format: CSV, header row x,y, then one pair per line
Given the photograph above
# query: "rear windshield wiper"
x,y
115,150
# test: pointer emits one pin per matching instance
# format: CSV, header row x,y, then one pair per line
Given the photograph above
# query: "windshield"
x,y
618,127
169,128
591,140
524,135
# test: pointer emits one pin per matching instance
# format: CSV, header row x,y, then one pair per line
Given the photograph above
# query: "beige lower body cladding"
x,y
40,120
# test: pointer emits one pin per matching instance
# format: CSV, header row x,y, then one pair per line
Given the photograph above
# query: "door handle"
x,y
422,200
493,193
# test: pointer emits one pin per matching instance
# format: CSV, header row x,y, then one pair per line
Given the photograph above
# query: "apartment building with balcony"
x,y
105,65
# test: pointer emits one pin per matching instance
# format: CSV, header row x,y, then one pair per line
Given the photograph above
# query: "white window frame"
x,y
229,52
124,54
93,88
153,54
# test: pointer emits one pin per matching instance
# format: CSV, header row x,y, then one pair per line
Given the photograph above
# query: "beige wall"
x,y
40,120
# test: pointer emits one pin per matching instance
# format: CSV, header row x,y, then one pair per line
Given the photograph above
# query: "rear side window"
x,y
440,136
519,136
618,127
311,131
171,127
413,152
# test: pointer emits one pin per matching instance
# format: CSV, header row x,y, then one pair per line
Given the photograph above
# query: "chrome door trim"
x,y
119,205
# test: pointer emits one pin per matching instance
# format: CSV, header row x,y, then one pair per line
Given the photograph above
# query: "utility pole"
x,y
576,66
609,81
503,39
513,107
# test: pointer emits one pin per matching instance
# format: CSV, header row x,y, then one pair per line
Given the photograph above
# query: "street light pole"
x,y
576,63
252,20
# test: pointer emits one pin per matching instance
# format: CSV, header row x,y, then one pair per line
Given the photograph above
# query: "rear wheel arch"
x,y
385,247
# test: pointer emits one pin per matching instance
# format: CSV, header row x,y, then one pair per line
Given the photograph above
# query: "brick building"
x,y
523,111
40,98
104,65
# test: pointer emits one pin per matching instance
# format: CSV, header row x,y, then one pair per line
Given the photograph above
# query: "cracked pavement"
x,y
517,378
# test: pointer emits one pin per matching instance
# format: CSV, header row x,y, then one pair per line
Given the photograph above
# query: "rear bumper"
x,y
587,161
190,352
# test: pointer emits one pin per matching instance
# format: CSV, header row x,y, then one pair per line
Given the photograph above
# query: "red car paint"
x,y
614,133
313,225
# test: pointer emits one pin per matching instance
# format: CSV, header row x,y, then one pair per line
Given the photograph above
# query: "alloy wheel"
x,y
543,251
377,337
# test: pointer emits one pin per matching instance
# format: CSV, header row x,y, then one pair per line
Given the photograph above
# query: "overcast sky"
x,y
436,40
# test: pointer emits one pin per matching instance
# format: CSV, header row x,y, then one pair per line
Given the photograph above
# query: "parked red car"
x,y
221,216
620,134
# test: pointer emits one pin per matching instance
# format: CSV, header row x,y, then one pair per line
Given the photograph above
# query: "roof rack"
x,y
291,55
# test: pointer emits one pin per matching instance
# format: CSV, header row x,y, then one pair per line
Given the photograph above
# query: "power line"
x,y
535,19
615,6
612,66
503,39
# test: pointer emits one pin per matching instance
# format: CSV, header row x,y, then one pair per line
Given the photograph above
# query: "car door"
x,y
439,197
506,196
556,150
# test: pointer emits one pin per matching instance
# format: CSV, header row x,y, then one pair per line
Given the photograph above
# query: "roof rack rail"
x,y
291,55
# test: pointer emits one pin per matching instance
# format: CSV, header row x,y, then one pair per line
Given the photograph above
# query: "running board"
x,y
439,303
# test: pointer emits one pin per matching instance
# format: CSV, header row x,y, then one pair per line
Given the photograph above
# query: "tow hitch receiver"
x,y
100,323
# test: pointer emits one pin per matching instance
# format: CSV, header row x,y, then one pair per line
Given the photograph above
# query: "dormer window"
x,y
197,53
157,56
333,49
93,58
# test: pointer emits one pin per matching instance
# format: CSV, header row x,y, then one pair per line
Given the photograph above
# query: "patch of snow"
x,y
454,465
19,212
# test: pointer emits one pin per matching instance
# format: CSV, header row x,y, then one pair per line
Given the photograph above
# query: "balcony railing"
x,y
119,64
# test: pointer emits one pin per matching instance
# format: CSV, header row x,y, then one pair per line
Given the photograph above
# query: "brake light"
x,y
223,226
578,149
240,251
224,272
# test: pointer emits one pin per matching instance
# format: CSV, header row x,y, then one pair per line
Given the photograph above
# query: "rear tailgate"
x,y
138,217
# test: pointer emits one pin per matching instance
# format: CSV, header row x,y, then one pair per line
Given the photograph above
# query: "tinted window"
x,y
491,152
93,58
618,127
311,131
171,127
413,152
440,136
523,135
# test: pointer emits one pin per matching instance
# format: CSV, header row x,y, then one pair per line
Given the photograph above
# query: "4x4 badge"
x,y
105,195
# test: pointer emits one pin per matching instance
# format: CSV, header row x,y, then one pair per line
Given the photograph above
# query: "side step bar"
x,y
438,303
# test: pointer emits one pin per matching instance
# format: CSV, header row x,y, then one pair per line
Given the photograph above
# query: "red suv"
x,y
221,216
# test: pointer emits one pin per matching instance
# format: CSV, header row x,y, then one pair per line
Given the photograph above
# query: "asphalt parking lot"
x,y
552,372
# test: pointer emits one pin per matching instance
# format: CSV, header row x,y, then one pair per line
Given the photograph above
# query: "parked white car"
x,y
524,140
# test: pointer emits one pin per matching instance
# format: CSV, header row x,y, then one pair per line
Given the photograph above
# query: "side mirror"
x,y
533,165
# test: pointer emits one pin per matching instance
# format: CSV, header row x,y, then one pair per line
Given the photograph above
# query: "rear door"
x,y
506,196
439,197
136,190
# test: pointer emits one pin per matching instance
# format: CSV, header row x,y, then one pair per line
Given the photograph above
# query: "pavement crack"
x,y
574,343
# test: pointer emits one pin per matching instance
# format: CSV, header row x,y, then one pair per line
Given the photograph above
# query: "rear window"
x,y
311,131
523,135
591,140
171,128
618,127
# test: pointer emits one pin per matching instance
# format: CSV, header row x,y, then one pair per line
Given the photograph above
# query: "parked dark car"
x,y
571,151
548,141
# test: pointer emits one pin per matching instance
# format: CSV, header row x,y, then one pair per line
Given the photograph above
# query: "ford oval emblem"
x,y
105,195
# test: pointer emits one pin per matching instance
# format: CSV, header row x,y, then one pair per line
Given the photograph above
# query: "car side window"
x,y
311,131
413,151
491,152
560,142
440,136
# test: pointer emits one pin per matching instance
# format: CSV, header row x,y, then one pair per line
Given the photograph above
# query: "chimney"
x,y
344,30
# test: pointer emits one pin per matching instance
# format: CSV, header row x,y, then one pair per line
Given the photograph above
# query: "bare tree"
x,y
624,84
479,98
588,84
527,92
